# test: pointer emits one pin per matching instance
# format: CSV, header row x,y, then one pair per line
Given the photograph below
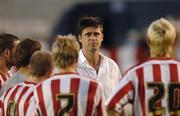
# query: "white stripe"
x,y
82,97
148,77
165,72
36,98
47,95
64,88
137,102
178,68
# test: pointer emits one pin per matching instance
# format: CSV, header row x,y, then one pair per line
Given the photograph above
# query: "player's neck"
x,y
36,79
71,68
163,56
3,67
24,70
4,70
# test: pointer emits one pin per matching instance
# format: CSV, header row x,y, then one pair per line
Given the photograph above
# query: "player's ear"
x,y
6,53
147,41
29,68
49,73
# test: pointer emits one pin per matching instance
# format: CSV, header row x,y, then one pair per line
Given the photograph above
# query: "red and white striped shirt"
x,y
152,87
16,100
71,94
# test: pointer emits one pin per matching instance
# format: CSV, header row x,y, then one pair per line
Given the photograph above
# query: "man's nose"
x,y
92,36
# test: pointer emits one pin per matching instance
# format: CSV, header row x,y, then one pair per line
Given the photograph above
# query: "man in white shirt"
x,y
91,62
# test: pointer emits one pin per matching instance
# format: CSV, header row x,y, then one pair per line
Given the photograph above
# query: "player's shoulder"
x,y
70,76
108,60
152,61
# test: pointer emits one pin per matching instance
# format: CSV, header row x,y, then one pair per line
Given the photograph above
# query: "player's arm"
x,y
121,95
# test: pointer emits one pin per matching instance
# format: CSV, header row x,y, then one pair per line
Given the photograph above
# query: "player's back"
x,y
16,99
157,87
69,94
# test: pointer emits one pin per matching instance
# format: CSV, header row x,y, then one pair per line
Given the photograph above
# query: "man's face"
x,y
91,38
10,61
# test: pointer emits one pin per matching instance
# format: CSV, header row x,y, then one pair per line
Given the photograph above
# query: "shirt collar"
x,y
82,58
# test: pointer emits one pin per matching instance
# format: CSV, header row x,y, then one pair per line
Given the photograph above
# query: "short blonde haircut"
x,y
65,51
161,37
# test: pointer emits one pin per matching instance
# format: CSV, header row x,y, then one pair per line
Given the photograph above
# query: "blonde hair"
x,y
65,51
161,36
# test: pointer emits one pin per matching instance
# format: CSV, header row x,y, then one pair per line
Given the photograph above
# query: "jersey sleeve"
x,y
122,94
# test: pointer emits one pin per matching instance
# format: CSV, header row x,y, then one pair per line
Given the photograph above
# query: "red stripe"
x,y
74,89
26,104
173,72
1,106
6,93
120,94
156,73
99,109
157,78
20,96
41,100
91,96
55,88
141,89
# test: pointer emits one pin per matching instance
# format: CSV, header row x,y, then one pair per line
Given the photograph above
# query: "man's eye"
x,y
96,34
88,34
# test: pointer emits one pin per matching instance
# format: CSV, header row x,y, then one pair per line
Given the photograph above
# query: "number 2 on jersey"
x,y
173,95
69,98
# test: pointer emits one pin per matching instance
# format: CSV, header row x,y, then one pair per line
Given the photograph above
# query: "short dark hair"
x,y
90,21
7,41
24,51
40,63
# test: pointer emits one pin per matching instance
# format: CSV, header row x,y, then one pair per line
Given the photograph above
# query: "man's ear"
x,y
102,37
80,38
7,53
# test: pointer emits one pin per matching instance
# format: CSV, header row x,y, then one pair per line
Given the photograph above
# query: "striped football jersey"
x,y
16,100
152,87
69,94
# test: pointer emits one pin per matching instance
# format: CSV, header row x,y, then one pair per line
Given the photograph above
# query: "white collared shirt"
x,y
108,74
